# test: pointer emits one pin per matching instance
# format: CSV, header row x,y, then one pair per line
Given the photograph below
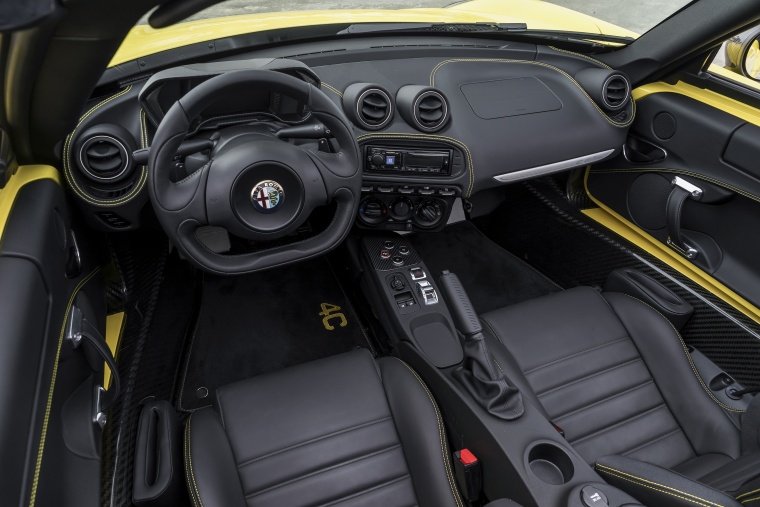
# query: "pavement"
x,y
618,12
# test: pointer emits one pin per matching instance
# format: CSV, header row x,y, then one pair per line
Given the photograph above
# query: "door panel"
x,y
49,446
707,147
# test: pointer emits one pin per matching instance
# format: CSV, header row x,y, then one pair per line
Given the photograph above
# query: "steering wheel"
x,y
255,185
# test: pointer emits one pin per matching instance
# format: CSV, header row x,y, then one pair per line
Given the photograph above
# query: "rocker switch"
x,y
427,292
417,274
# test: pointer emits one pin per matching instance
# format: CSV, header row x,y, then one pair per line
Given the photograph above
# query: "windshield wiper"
x,y
486,28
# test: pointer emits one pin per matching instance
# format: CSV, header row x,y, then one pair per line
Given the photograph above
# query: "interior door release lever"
x,y
682,190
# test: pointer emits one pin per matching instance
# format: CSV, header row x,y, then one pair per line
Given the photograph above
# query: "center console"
x,y
525,459
409,186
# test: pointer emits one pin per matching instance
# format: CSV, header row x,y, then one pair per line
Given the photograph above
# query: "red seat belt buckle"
x,y
468,474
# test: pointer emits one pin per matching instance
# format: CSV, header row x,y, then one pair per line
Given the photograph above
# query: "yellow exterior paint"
x,y
618,224
143,40
24,174
114,328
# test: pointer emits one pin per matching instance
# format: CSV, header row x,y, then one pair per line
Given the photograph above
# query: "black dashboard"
x,y
434,123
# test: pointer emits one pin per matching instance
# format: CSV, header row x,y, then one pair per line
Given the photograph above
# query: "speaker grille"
x,y
647,197
664,125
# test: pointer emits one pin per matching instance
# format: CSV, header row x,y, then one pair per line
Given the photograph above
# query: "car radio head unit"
x,y
383,159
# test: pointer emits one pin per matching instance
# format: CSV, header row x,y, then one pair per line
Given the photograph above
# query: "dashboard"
x,y
434,122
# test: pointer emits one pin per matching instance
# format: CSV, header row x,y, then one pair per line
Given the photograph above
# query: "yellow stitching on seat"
x,y
400,135
748,500
679,171
748,493
552,67
589,58
614,472
46,418
190,462
332,89
67,165
691,361
441,435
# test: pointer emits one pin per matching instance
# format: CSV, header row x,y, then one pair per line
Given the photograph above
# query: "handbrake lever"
x,y
478,374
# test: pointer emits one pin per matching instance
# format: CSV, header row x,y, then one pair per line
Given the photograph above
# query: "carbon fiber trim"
x,y
374,245
554,237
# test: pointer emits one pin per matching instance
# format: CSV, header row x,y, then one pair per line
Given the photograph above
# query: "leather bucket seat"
x,y
345,430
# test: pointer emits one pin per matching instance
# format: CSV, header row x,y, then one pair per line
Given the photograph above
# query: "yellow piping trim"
x,y
734,107
67,165
748,500
332,89
46,419
23,175
114,329
605,216
748,493
667,489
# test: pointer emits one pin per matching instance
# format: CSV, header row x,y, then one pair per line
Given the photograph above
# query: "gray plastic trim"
x,y
542,170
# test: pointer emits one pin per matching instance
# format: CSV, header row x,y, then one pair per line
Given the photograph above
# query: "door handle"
x,y
682,191
639,151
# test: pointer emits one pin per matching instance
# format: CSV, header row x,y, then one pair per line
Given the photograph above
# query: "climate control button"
x,y
401,209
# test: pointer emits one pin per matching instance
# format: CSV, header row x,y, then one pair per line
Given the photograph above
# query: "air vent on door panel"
x,y
368,106
423,107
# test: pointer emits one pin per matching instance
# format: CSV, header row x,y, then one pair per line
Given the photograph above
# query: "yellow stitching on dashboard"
x,y
399,135
67,170
332,89
586,57
748,493
552,67
46,418
680,171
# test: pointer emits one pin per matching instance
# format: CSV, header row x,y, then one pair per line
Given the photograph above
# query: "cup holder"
x,y
550,463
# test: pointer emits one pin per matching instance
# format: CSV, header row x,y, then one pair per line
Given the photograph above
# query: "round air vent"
x,y
423,107
368,106
616,92
610,89
103,153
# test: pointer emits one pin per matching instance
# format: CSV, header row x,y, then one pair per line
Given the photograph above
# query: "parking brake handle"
x,y
478,374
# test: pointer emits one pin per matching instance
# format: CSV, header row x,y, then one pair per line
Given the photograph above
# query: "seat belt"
x,y
682,190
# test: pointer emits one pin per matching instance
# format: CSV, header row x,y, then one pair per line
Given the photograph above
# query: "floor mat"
x,y
492,277
254,324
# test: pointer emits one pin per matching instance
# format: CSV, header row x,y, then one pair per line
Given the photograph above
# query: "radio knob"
x,y
378,160
401,208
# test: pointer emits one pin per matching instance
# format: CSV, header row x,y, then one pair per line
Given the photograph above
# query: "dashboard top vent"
x,y
431,110
423,107
616,92
368,106
374,108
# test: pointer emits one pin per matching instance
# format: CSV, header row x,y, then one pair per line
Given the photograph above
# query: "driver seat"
x,y
345,430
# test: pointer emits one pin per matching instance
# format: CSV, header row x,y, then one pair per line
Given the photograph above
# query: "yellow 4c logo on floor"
x,y
331,312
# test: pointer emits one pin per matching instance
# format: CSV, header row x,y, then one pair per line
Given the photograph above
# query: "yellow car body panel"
x,y
143,40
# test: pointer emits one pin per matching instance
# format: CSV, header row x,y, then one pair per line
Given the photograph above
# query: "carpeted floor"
x,y
492,276
254,324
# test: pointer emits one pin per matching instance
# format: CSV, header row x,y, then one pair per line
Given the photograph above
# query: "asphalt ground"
x,y
636,15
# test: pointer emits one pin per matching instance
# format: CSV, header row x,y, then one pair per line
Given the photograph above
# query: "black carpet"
x,y
254,324
492,277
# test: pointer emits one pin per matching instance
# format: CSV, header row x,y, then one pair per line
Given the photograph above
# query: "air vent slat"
x,y
374,108
374,114
104,158
616,91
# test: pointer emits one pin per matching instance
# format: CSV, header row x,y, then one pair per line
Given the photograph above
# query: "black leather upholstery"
x,y
345,430
616,376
